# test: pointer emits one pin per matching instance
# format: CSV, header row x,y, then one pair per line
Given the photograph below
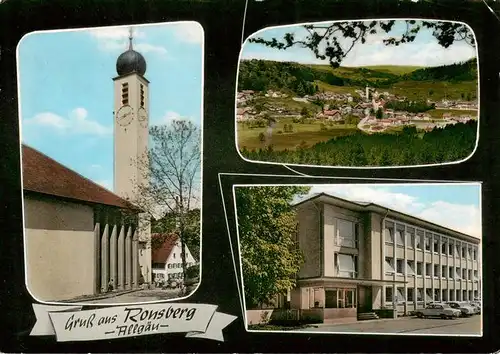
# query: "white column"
x,y
121,258
113,253
128,259
135,261
105,258
97,257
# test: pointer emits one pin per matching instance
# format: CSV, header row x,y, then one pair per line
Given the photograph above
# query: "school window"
x,y
400,266
340,298
420,237
457,251
400,295
469,252
428,269
410,267
452,295
450,272
469,274
399,235
427,242
450,248
457,295
464,295
389,232
389,265
346,233
409,294
436,270
464,274
347,265
463,252
410,237
443,271
420,294
475,275
437,294
458,275
474,254
436,244
470,295
444,247
388,294
419,268
444,295
428,295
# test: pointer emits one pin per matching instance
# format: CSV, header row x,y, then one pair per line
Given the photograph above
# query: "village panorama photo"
x,y
372,93
111,162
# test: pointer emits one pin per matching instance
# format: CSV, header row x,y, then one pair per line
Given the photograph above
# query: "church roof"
x,y
160,254
41,174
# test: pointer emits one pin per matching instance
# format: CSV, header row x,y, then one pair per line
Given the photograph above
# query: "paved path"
x,y
461,326
138,296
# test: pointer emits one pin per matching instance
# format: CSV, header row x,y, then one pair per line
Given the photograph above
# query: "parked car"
x,y
438,310
476,306
465,309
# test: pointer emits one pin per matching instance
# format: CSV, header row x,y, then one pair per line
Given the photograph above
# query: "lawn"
x,y
311,133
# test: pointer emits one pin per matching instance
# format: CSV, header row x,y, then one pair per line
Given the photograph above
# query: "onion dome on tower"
x,y
130,61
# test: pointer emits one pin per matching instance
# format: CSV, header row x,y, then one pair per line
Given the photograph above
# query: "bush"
x,y
193,271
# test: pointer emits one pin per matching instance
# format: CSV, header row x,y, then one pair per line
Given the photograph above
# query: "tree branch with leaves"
x,y
333,42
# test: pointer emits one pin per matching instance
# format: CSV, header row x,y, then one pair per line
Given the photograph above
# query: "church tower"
x,y
131,134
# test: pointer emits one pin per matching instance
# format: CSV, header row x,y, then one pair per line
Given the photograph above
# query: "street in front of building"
x,y
411,325
146,295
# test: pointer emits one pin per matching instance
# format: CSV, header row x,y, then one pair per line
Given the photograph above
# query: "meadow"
x,y
310,133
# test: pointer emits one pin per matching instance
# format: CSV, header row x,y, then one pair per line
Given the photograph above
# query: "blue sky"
x,y
456,206
66,88
424,51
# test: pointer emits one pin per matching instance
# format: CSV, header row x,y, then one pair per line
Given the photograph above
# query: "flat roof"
x,y
373,207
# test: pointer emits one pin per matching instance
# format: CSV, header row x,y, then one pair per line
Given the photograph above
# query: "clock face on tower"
x,y
143,117
125,115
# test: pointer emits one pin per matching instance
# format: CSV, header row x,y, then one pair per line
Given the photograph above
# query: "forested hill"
x,y
261,75
464,71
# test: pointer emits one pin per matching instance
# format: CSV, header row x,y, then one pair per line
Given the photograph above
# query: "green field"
x,y
394,69
337,89
438,113
311,133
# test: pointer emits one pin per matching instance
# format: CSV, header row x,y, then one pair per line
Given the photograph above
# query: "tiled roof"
x,y
44,175
161,254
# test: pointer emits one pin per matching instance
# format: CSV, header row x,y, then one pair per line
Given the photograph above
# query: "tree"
x,y
262,137
379,114
267,227
333,42
304,112
172,169
168,224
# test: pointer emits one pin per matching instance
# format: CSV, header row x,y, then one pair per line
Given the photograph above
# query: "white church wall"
x,y
59,249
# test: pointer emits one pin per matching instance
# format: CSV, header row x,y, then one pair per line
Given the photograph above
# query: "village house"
x,y
167,259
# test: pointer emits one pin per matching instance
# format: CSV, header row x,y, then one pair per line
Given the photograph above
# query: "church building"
x,y
80,238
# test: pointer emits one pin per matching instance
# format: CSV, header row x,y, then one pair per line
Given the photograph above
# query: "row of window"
x,y
178,265
175,275
417,294
430,270
420,239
